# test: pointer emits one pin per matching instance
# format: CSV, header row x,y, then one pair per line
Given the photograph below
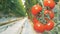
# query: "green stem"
x,y
41,1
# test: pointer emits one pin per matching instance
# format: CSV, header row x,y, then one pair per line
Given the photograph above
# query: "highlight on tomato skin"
x,y
39,27
36,9
46,12
49,26
49,3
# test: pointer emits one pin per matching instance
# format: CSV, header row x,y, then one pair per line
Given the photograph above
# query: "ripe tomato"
x,y
49,26
35,20
49,3
46,12
39,27
36,9
51,13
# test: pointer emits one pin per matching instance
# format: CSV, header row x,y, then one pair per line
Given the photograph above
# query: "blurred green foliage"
x,y
12,8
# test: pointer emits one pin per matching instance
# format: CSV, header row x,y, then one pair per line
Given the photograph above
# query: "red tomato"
x,y
49,3
49,26
46,12
36,9
39,27
45,3
51,13
35,20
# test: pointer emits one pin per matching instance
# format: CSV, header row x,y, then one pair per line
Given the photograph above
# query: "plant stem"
x,y
41,1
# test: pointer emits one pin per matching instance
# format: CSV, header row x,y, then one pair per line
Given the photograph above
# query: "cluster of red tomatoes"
x,y
38,26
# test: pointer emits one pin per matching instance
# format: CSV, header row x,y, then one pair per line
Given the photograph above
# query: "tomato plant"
x,y
49,26
40,12
36,9
49,3
39,27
